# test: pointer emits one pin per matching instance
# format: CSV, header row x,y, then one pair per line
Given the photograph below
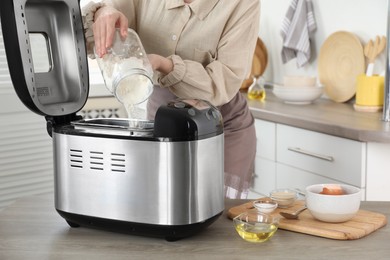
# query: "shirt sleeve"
x,y
219,80
88,16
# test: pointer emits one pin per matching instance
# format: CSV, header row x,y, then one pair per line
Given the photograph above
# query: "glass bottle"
x,y
256,90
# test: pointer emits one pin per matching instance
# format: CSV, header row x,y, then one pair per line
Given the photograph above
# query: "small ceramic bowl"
x,y
254,226
284,197
333,208
265,205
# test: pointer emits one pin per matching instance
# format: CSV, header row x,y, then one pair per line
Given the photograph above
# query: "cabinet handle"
x,y
316,155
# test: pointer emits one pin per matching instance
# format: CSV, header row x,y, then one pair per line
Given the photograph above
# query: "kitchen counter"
x,y
32,229
324,116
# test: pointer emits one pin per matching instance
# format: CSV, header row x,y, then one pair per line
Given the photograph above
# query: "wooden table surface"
x,y
32,229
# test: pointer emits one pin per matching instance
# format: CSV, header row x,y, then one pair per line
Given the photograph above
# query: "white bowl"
x,y
265,205
298,95
333,208
284,197
299,81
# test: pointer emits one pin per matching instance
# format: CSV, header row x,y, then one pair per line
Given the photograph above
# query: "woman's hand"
x,y
107,19
160,63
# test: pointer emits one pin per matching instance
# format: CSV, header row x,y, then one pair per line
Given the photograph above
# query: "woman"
x,y
200,49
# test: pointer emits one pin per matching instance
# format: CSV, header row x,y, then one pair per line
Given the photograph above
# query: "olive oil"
x,y
257,91
259,232
256,94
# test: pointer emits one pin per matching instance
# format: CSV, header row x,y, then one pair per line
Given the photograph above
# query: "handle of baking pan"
x,y
56,121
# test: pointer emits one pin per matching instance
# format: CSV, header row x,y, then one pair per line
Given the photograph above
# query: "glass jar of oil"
x,y
254,226
256,90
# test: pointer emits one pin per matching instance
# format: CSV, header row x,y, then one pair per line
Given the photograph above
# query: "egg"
x,y
332,190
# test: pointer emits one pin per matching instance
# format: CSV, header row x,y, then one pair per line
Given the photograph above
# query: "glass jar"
x,y
256,90
126,69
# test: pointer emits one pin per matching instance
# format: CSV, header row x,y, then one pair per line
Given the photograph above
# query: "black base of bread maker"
x,y
170,233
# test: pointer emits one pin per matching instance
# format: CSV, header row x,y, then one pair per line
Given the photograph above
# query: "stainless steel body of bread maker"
x,y
163,178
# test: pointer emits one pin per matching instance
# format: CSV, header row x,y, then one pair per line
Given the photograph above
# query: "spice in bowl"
x,y
284,197
265,205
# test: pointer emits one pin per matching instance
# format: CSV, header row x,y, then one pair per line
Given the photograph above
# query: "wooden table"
x,y
32,229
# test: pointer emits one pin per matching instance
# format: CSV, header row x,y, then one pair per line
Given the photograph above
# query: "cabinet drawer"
x,y
265,135
332,157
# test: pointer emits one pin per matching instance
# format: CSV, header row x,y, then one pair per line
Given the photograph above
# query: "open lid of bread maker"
x,y
55,25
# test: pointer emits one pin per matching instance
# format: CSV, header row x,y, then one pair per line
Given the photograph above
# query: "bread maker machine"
x,y
162,178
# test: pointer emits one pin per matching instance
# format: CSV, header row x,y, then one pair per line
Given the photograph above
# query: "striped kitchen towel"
x,y
297,26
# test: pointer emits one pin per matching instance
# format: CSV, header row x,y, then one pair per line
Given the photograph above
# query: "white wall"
x,y
364,18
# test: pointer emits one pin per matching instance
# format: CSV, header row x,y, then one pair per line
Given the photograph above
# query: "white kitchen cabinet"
x,y
378,171
266,139
264,180
290,157
265,166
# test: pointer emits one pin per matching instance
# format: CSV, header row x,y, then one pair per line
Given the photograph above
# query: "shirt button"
x,y
174,37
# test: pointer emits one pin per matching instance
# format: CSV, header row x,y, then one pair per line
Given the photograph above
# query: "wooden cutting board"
x,y
363,224
259,63
340,61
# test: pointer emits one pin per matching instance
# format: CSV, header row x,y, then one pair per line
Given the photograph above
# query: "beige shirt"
x,y
211,42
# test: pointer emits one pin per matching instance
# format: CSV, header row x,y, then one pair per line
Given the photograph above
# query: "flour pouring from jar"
x,y
127,72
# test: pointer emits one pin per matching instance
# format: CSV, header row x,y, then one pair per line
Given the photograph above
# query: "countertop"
x,y
31,229
324,116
